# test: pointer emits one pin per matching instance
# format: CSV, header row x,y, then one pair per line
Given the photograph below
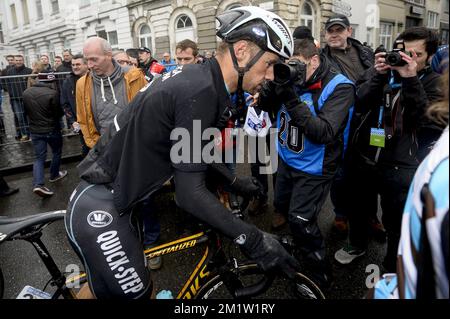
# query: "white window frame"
x,y
52,2
418,2
110,34
185,29
39,12
305,18
13,10
25,12
2,38
385,37
433,20
147,37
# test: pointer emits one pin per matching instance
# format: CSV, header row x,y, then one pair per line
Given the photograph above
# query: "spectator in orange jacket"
x,y
104,91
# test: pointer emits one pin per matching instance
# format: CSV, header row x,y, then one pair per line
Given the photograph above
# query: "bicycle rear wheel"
x,y
301,287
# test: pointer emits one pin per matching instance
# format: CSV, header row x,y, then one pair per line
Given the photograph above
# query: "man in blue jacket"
x,y
312,137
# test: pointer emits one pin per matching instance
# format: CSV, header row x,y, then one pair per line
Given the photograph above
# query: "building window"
x,y
307,16
233,6
145,37
102,34
354,31
184,28
26,16
39,9
369,37
112,39
444,36
55,6
386,31
419,2
14,15
433,20
2,39
85,3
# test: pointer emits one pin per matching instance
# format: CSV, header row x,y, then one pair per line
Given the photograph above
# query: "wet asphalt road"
x,y
21,265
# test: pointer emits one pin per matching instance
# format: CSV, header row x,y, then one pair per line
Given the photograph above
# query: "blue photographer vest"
x,y
293,147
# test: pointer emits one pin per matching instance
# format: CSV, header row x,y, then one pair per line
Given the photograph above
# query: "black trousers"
x,y
301,196
392,184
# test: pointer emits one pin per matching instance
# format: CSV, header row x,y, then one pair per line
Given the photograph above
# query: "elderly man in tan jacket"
x,y
104,91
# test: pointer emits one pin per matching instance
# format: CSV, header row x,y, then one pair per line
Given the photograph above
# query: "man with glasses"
x,y
168,63
122,58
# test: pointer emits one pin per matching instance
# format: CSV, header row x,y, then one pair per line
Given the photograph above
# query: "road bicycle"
x,y
217,274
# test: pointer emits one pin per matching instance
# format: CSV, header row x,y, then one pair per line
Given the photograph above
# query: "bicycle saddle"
x,y
11,226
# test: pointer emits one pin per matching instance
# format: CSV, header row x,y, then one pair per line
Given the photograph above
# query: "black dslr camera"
x,y
394,58
292,72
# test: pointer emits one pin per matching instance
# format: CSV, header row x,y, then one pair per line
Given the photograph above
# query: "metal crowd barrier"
x,y
14,127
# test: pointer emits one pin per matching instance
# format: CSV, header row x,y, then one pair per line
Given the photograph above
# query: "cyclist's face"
x,y
261,71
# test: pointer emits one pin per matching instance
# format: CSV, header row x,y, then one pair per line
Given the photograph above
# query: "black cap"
x,y
302,32
145,49
339,19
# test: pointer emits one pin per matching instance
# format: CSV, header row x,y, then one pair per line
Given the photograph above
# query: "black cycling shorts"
x,y
107,243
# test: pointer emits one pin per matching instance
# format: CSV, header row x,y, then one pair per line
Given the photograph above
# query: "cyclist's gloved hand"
x,y
247,185
267,97
267,252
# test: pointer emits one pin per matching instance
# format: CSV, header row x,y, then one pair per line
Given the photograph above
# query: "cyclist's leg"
x,y
107,243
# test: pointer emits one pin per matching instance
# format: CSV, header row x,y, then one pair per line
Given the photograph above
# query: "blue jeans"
x,y
152,227
40,141
19,113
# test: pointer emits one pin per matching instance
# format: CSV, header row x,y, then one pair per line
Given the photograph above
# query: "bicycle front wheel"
x,y
219,287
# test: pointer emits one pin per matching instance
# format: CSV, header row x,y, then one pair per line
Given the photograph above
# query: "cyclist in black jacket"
x,y
142,155
392,139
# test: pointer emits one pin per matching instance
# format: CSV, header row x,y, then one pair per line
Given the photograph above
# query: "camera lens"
x,y
393,59
282,73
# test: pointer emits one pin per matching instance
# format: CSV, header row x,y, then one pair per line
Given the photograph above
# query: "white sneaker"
x,y
62,174
42,191
347,254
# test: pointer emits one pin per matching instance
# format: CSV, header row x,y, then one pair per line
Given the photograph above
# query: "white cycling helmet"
x,y
260,26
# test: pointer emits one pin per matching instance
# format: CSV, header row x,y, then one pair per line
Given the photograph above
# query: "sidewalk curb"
x,y
29,166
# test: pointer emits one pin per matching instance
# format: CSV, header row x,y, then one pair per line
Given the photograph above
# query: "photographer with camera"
x,y
392,138
317,100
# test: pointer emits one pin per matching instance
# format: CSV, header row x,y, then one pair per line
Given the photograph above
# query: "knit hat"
x,y
302,32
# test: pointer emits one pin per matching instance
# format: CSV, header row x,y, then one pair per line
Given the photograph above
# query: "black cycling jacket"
x,y
134,154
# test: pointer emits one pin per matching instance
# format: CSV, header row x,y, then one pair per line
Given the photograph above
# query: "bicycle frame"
x,y
57,277
212,254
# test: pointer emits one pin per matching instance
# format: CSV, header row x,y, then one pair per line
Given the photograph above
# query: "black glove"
x,y
287,94
268,99
267,252
247,185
